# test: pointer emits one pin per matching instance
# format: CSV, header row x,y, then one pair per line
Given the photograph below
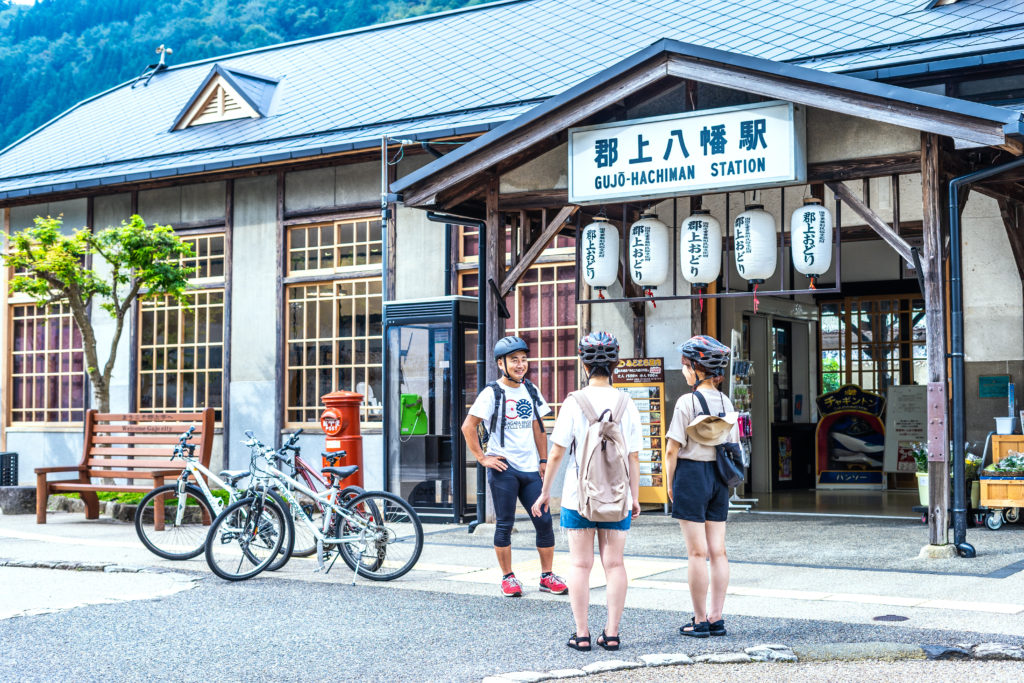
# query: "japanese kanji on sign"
x,y
757,145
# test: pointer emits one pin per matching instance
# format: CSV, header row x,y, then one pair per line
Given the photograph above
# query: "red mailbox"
x,y
340,422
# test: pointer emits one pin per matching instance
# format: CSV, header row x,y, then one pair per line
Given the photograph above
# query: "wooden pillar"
x,y
935,309
493,269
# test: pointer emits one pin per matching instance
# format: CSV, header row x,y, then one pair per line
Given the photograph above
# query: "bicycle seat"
x,y
232,476
341,472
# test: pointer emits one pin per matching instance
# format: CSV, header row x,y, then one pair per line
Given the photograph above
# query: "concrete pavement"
x,y
796,579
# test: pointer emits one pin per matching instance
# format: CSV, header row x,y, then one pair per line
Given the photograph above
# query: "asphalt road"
x,y
279,629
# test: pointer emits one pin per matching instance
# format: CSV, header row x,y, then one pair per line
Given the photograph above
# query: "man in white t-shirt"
x,y
511,409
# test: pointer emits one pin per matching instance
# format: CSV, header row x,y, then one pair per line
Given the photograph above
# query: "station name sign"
x,y
711,150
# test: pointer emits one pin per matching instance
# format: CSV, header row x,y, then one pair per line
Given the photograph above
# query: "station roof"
x,y
468,71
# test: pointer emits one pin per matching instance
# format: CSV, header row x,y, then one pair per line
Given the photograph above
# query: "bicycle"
x,y
377,534
290,455
193,508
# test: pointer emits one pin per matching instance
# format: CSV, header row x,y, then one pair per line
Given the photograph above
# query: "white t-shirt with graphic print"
x,y
520,449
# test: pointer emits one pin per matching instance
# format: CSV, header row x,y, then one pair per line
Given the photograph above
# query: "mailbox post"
x,y
340,422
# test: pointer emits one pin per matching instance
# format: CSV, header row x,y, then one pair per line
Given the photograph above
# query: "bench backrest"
x,y
132,445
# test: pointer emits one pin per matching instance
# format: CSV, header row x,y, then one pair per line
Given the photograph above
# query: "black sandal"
x,y
608,642
695,630
717,628
577,643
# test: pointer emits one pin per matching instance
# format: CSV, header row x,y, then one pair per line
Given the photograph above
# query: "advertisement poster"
x,y
785,458
906,423
851,439
643,379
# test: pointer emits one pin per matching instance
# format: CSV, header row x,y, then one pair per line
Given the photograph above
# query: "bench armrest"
x,y
68,468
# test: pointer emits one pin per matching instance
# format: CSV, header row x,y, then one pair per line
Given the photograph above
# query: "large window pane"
x,y
47,368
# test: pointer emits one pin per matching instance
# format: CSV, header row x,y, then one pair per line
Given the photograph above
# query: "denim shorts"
x,y
570,519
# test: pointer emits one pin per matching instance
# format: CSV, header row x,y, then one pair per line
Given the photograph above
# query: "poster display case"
x,y
643,379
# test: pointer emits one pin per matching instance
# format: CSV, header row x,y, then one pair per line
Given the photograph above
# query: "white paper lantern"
x,y
756,244
810,234
700,248
648,251
600,254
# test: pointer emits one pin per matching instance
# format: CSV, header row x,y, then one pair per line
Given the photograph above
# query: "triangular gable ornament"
x,y
216,100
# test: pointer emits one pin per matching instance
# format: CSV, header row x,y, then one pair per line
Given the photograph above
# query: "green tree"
x,y
138,262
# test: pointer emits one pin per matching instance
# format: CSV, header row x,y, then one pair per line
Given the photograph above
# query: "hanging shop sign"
x,y
643,379
600,254
811,238
700,248
732,148
648,251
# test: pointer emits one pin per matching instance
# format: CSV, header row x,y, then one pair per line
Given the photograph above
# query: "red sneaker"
x,y
553,584
511,588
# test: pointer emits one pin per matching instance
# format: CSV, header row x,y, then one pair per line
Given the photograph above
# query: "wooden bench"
x,y
136,447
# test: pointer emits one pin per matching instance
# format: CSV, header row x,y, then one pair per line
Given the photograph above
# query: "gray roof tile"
x,y
335,89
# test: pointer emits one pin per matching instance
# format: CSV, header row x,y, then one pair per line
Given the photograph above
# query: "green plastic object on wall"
x,y
414,417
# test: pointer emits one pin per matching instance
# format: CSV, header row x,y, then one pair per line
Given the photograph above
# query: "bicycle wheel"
x,y
305,540
288,544
245,538
181,537
386,537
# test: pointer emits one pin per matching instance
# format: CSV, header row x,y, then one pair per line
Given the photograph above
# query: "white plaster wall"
x,y
992,289
107,211
56,447
193,203
323,188
832,136
73,211
419,259
548,171
254,315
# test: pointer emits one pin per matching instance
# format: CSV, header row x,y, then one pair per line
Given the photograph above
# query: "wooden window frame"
x,y
201,285
366,272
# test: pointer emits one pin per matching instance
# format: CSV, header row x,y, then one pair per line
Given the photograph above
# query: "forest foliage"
x,y
55,53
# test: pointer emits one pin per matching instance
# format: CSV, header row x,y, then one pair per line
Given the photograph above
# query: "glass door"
x,y
421,368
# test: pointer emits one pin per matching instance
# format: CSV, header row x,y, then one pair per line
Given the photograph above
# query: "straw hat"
x,y
711,430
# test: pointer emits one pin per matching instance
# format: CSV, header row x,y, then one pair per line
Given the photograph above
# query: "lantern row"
x,y
700,247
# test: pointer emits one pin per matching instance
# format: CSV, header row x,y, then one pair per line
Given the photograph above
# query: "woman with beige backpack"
x,y
702,421
600,427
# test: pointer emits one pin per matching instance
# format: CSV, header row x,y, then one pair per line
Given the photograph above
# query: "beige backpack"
x,y
602,464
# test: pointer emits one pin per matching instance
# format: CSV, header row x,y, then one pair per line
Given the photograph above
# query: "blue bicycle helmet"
x,y
507,345
707,352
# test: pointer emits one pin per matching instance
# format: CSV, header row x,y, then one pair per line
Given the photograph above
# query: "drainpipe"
x,y
481,333
964,548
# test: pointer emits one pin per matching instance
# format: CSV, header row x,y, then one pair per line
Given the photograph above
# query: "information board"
x,y
643,379
906,423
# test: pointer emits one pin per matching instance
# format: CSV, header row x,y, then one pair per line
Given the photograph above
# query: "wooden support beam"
x,y
935,325
536,248
1013,220
493,269
883,229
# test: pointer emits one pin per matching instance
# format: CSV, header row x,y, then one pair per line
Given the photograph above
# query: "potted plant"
x,y
921,460
972,465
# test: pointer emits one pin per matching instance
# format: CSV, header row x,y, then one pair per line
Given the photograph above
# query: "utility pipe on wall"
x,y
956,313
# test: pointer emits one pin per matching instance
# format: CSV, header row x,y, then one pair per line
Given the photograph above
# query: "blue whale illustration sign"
x,y
850,438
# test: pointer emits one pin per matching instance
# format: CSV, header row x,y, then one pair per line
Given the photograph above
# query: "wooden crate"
x,y
1002,493
1002,445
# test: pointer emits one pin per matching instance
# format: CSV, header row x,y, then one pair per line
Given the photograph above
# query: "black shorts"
x,y
697,493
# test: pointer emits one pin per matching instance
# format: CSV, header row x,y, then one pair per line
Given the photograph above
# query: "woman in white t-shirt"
x,y
599,352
